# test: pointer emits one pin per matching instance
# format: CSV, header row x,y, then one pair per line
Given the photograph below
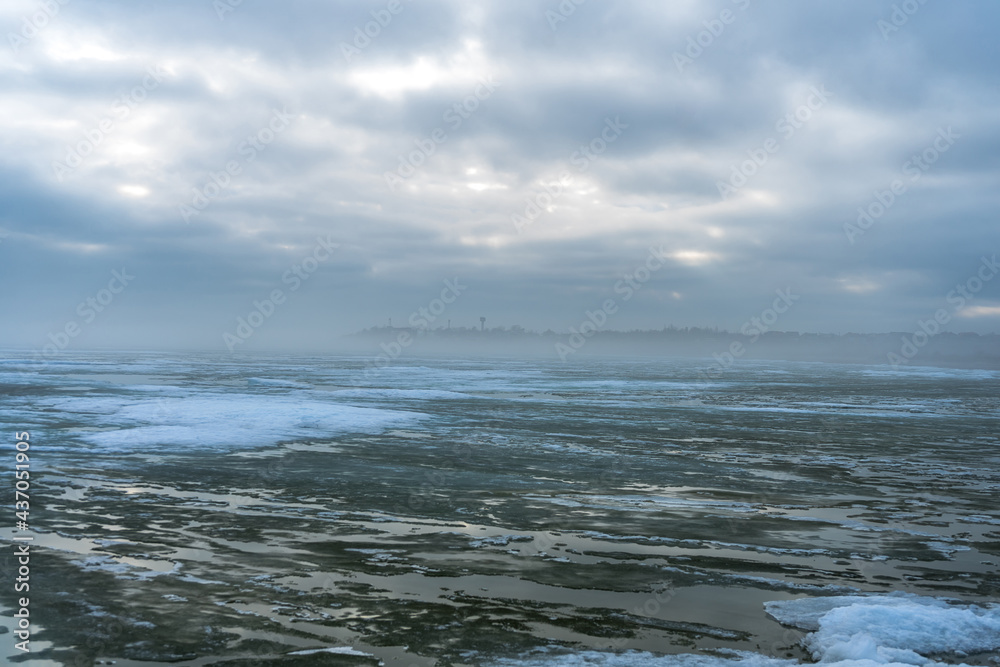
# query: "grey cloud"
x,y
655,185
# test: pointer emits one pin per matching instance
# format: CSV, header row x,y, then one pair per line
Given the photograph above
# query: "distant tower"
x,y
390,322
482,324
449,324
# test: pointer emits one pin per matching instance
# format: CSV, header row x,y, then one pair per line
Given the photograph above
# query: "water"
x,y
192,509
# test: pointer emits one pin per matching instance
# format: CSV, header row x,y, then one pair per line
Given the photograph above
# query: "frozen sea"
x,y
293,510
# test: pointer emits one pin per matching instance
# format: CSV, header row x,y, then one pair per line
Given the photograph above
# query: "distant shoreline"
x,y
721,348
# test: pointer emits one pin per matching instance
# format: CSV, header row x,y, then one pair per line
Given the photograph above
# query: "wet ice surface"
x,y
203,509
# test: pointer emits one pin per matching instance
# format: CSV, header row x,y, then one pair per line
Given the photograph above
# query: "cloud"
x,y
80,90
980,311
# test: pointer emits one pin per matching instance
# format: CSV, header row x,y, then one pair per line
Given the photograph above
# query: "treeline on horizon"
x,y
517,330
723,348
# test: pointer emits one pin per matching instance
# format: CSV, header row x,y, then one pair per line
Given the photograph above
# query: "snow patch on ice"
x,y
119,568
209,419
499,540
340,650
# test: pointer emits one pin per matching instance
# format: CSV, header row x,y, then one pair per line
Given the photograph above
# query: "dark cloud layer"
x,y
100,162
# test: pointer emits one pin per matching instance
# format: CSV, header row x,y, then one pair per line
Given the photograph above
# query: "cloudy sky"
x,y
357,155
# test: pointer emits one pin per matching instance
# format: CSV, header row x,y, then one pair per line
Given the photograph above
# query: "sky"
x,y
169,169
